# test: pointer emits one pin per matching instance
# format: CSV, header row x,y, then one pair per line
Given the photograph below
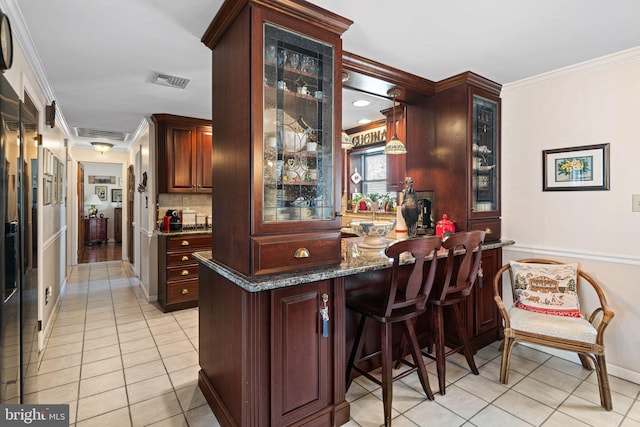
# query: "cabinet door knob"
x,y
185,272
185,258
488,230
185,243
302,253
185,291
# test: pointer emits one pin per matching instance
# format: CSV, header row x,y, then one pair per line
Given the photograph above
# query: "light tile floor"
x,y
119,361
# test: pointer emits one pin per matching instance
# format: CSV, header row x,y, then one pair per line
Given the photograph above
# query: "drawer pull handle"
x,y
185,272
185,258
302,253
488,230
185,243
185,291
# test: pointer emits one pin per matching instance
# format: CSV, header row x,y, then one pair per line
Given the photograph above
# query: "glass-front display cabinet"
x,y
298,128
484,160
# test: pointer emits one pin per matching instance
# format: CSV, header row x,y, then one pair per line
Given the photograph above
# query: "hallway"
x,y
119,361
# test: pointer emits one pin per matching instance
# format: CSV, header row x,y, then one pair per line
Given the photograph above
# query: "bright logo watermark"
x,y
34,415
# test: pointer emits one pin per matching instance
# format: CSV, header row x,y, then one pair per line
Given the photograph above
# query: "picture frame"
x,y
46,190
101,191
584,168
116,195
102,179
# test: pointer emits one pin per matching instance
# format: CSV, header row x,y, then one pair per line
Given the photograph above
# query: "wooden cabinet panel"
x,y
291,252
183,154
186,290
204,176
189,241
300,384
396,163
180,167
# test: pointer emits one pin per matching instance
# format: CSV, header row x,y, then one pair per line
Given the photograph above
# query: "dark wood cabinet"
x,y
117,224
95,230
183,154
178,270
300,351
276,106
292,375
466,180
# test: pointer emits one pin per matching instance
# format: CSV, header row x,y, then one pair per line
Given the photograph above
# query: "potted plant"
x,y
375,199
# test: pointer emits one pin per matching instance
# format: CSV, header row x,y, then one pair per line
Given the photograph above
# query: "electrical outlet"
x,y
185,201
635,199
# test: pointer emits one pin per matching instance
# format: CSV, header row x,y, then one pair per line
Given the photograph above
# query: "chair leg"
x,y
586,362
414,347
466,345
507,346
387,361
356,351
603,383
440,353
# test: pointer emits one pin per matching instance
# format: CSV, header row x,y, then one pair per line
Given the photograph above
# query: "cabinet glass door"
x,y
297,128
484,161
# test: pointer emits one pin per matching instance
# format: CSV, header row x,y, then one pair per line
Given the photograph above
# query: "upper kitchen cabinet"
x,y
276,151
396,163
183,154
468,140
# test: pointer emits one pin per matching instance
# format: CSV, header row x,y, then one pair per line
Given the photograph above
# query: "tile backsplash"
x,y
200,203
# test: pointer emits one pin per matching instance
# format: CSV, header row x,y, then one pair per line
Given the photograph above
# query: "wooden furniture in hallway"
x,y
95,230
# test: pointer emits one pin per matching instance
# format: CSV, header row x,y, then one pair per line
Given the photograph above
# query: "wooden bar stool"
x,y
405,300
454,293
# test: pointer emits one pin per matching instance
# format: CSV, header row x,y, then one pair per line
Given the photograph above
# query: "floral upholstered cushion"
x,y
546,288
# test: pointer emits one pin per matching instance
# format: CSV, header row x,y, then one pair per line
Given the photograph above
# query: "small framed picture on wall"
x,y
101,191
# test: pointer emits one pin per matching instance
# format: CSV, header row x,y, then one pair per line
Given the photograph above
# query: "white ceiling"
x,y
98,56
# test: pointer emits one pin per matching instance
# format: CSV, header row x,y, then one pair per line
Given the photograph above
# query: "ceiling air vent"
x,y
104,134
167,80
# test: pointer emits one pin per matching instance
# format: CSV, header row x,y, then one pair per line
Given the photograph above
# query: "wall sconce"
x,y
394,145
102,147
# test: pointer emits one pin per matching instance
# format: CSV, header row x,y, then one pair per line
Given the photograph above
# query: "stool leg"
x,y
440,353
356,351
414,347
387,361
466,345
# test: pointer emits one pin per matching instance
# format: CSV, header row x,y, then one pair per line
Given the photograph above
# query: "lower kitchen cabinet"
x,y
178,270
292,370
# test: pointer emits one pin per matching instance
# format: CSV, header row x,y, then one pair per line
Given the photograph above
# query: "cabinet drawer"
x,y
182,272
180,258
490,226
185,290
273,254
198,241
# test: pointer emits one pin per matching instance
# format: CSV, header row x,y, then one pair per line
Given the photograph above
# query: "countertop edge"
x,y
275,281
182,232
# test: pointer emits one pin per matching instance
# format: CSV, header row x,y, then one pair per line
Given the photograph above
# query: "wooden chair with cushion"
x,y
402,302
546,311
451,293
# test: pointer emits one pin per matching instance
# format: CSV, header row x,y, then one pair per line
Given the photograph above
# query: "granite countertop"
x,y
183,232
354,261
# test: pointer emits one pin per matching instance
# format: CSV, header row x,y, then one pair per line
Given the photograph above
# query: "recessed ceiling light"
x,y
361,103
364,121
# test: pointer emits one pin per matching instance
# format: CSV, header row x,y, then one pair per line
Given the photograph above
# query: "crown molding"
x,y
140,130
600,63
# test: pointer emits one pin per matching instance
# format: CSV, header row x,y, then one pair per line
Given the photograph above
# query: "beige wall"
x,y
590,103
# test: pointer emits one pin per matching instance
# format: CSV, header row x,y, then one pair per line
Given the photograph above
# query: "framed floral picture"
x,y
576,168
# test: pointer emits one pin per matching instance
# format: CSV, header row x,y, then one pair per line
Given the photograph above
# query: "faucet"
x,y
370,204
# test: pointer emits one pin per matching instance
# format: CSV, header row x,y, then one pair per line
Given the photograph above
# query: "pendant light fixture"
x,y
394,145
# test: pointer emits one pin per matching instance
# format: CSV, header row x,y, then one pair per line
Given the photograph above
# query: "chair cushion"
x,y
572,328
546,288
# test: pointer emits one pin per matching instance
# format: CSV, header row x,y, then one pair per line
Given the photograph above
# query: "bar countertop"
x,y
353,262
